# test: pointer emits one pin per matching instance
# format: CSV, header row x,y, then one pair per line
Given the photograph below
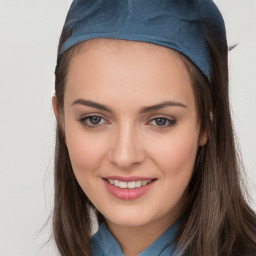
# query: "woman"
x,y
144,133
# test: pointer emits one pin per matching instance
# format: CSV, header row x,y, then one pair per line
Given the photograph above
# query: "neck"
x,y
134,240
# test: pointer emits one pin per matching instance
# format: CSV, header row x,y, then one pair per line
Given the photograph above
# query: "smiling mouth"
x,y
130,184
128,188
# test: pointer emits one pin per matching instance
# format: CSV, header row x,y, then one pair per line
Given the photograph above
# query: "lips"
x,y
128,188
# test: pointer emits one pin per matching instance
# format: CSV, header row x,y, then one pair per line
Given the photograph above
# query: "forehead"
x,y
121,68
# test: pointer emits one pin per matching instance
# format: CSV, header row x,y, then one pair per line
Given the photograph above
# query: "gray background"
x,y
29,32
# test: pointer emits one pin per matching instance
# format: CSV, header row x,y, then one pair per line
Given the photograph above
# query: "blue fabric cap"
x,y
176,24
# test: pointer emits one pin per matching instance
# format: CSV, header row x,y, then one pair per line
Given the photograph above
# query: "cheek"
x,y
181,155
85,150
175,158
176,152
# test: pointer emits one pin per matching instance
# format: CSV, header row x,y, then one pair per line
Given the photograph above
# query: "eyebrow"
x,y
92,104
143,110
162,105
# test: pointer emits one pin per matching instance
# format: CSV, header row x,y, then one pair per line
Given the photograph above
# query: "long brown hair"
x,y
217,220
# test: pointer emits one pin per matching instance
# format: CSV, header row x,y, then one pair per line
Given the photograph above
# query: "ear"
x,y
203,138
55,106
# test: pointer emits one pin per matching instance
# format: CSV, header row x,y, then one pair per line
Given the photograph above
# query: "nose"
x,y
127,149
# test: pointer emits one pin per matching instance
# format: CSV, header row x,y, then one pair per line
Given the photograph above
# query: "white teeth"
x,y
144,182
138,183
130,184
122,184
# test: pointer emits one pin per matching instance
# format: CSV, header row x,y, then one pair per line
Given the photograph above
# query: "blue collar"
x,y
104,244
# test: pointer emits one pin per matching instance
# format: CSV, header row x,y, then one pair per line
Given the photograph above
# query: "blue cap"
x,y
176,24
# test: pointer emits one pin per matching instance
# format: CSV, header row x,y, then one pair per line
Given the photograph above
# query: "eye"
x,y
92,121
163,122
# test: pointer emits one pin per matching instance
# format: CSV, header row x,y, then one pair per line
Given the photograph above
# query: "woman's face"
x,y
130,119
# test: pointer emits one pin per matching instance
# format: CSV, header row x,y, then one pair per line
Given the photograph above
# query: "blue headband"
x,y
176,24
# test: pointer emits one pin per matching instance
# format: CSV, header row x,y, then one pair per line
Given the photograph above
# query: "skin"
x,y
126,77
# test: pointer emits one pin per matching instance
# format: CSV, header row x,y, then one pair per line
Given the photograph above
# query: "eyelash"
x,y
171,122
84,122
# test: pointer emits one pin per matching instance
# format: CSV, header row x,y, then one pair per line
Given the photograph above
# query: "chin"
x,y
129,218
128,222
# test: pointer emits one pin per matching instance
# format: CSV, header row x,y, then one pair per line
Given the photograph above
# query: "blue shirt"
x,y
104,244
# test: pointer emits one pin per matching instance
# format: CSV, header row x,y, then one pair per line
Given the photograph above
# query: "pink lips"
x,y
128,193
